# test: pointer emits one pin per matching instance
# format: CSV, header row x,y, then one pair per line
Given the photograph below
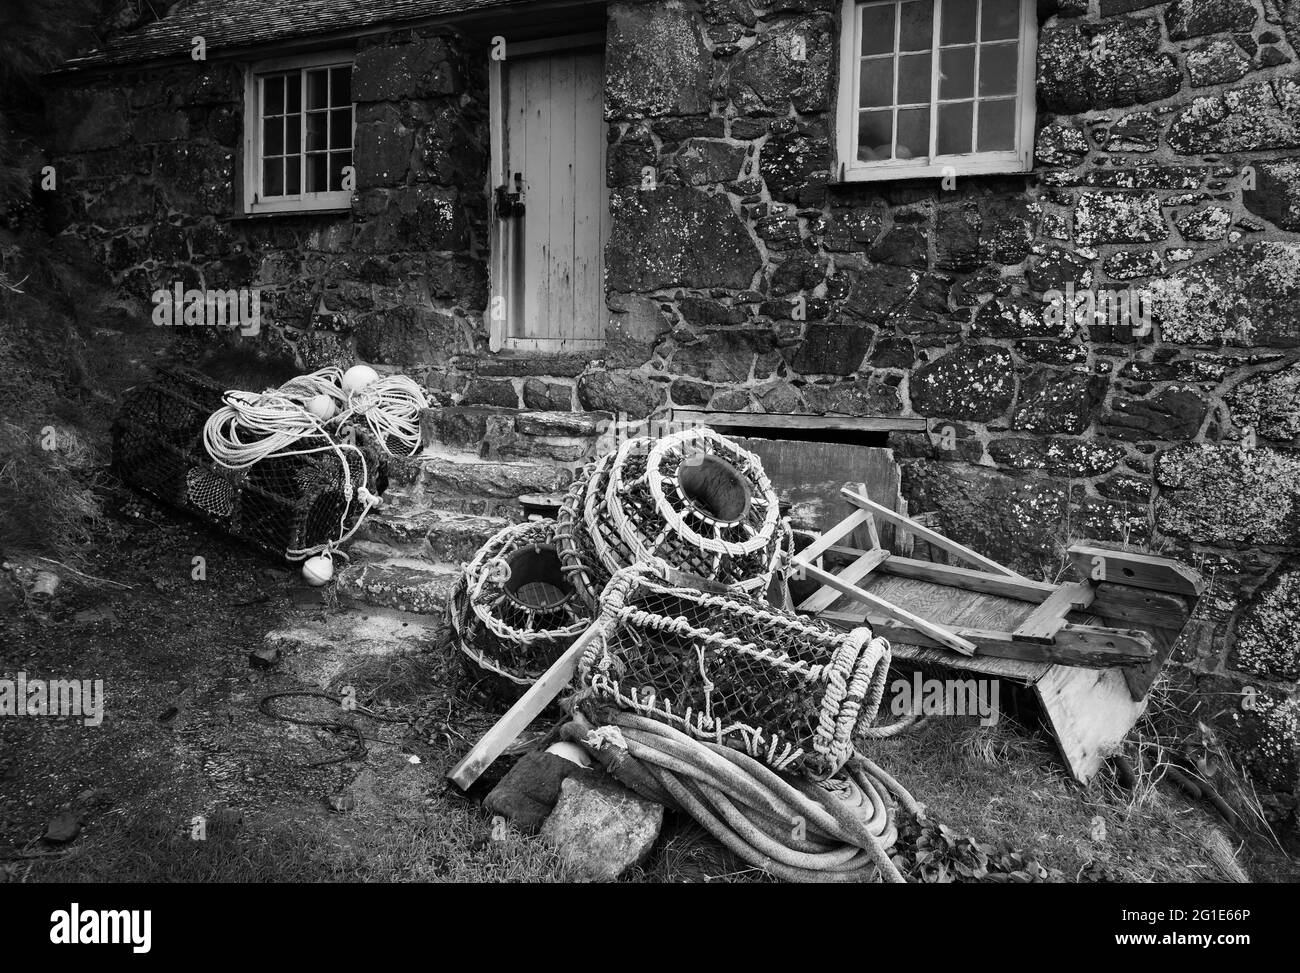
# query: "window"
x,y
298,135
934,87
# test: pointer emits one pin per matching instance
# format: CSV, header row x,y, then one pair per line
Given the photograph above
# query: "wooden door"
x,y
550,239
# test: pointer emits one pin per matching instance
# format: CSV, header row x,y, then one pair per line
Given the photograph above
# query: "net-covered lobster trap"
x,y
693,502
514,610
589,547
283,504
725,668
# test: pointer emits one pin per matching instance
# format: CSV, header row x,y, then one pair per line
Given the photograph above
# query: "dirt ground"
x,y
190,779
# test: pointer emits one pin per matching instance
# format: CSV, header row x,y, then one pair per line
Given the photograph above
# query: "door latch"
x,y
510,204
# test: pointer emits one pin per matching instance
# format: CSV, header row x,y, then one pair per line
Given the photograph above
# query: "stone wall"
x,y
1167,158
149,168
740,276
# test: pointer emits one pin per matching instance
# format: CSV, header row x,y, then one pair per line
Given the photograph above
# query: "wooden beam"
x,y
1046,620
1136,570
928,535
936,633
1022,589
516,720
1141,607
1087,646
833,536
824,597
771,420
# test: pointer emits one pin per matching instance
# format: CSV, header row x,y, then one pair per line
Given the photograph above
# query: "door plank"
x,y
589,190
560,200
536,72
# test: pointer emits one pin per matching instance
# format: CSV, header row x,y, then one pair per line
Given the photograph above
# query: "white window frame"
x,y
851,169
303,202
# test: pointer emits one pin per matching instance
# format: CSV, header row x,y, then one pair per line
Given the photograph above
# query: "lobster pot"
x,y
514,610
590,548
729,669
280,504
694,502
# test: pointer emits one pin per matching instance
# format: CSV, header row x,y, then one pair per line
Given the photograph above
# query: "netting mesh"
x,y
514,610
280,504
785,689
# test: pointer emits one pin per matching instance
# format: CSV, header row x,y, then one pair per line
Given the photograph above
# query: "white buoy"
x,y
322,407
358,377
318,570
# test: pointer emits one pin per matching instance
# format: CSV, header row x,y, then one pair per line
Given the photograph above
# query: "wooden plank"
x,y
1136,570
928,535
1076,645
936,633
773,420
867,562
833,536
1017,670
507,729
949,607
1141,607
955,577
1043,624
560,200
1140,678
1090,712
536,75
589,196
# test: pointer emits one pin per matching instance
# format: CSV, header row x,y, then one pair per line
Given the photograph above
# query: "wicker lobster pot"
x,y
590,548
514,609
722,667
694,502
281,504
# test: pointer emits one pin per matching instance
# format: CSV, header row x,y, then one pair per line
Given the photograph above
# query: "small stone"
x,y
529,790
603,828
62,828
264,657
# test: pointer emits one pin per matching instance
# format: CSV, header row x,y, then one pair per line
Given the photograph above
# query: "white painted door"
x,y
550,246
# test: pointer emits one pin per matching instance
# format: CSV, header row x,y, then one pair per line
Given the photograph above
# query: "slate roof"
x,y
245,23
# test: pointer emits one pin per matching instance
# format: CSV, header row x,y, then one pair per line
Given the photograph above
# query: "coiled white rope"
x,y
252,427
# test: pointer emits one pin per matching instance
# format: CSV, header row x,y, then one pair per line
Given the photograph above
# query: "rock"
x,y
770,77
487,391
1173,414
1109,65
705,161
727,356
1268,631
677,236
605,391
1227,496
1067,458
631,336
1056,268
602,827
1118,218
1207,224
990,229
547,396
264,657
1216,62
63,828
1269,404
419,69
791,162
408,584
1135,132
874,396
830,349
1254,117
1193,18
655,62
974,382
1059,144
1243,296
529,790
1053,401
1276,196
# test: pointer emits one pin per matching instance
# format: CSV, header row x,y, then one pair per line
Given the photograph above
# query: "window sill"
x,y
287,213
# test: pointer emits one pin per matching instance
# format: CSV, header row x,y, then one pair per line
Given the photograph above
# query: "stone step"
x,y
378,576
568,438
413,526
461,482
318,646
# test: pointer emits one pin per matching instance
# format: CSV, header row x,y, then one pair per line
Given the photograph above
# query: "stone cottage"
x,y
1048,251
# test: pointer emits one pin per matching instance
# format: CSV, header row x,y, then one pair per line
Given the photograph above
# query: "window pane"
x,y
914,79
876,86
273,96
316,122
292,134
317,89
878,29
958,73
913,133
273,136
998,68
958,22
273,177
341,86
875,135
293,176
293,93
341,128
1001,20
337,161
316,172
954,128
997,130
916,30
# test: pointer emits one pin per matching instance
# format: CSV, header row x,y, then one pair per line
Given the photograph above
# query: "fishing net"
x,y
725,668
586,542
694,502
514,609
282,504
